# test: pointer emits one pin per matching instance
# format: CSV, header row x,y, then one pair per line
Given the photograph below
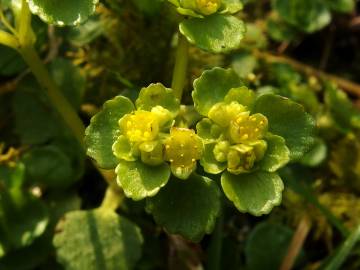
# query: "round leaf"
x,y
64,12
212,87
216,33
139,180
288,120
188,208
97,240
208,161
277,154
267,245
49,166
307,15
255,193
157,95
103,131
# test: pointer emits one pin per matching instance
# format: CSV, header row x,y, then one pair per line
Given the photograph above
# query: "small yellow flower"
x,y
246,127
140,126
208,7
182,149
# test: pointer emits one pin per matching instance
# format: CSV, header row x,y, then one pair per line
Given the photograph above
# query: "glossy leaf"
x,y
157,95
307,15
212,87
216,33
139,180
288,120
103,131
267,245
188,208
66,12
255,193
97,240
277,154
208,161
49,166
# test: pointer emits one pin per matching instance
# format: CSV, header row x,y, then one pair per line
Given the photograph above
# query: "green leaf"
x,y
35,120
23,218
188,208
255,193
97,240
208,130
70,79
11,62
103,131
216,33
244,63
280,31
277,154
139,180
122,149
231,6
208,161
157,95
316,155
212,86
49,166
66,12
345,6
87,32
267,245
289,120
307,15
341,108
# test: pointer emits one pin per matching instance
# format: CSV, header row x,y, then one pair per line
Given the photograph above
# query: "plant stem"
x,y
8,40
214,252
112,199
340,256
180,69
296,243
59,101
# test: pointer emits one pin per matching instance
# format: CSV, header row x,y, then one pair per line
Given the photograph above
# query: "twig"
x,y
296,243
346,85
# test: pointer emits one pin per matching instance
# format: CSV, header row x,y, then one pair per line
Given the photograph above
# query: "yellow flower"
x,y
246,128
140,126
182,149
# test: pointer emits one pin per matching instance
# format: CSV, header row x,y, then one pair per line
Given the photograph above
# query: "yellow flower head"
x,y
208,7
140,126
246,128
182,149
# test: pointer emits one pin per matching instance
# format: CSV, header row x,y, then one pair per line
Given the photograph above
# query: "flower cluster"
x,y
148,135
237,137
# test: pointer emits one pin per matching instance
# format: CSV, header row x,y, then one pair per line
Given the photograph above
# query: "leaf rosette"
x,y
248,138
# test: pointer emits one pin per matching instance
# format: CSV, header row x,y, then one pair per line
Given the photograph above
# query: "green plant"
x,y
180,157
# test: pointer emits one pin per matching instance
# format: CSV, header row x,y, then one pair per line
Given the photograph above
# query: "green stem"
x,y
112,199
8,40
214,252
180,69
343,253
56,97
